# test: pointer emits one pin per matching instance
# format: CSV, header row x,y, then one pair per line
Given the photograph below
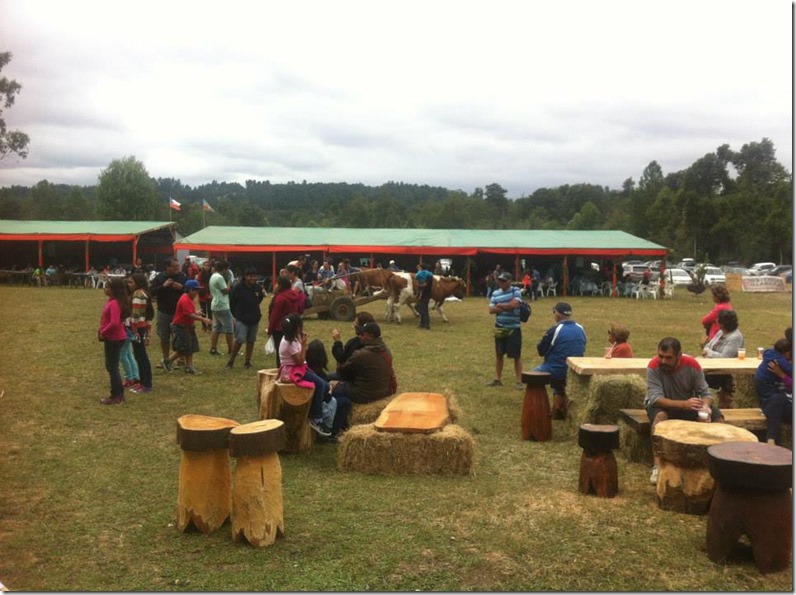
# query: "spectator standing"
x,y
505,304
425,282
190,268
141,324
536,279
111,332
219,306
244,301
185,341
566,338
676,389
167,287
204,292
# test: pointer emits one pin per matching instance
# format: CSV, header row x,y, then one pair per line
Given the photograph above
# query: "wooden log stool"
x,y
752,498
684,481
257,509
204,495
289,403
598,472
535,420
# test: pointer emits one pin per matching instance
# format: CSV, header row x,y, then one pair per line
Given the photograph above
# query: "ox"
x,y
403,288
370,280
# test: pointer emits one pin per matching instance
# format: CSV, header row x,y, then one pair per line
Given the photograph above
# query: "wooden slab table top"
x,y
591,366
414,412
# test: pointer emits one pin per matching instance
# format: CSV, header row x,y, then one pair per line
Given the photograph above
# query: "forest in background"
x,y
728,205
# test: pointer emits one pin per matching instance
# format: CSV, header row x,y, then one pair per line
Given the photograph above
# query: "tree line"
x,y
728,205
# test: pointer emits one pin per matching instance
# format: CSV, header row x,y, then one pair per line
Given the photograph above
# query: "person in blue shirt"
x,y
505,304
775,400
425,281
566,338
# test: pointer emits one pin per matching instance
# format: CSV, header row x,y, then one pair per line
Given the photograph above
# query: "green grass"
x,y
88,492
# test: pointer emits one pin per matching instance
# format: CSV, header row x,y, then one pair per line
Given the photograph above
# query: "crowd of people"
x,y
363,370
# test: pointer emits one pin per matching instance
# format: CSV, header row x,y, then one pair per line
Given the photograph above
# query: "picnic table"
x,y
590,366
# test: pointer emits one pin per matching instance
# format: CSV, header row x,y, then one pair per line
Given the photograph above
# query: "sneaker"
x,y
141,389
214,351
134,388
654,475
494,382
321,429
519,386
191,370
129,383
247,365
113,400
166,365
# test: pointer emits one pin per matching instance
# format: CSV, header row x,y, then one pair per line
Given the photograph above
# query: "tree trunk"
x,y
257,509
204,496
289,403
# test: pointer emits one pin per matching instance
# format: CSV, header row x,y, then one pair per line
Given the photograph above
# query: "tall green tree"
x,y
46,202
11,141
127,193
77,207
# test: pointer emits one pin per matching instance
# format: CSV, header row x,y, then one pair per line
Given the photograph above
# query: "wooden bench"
x,y
634,435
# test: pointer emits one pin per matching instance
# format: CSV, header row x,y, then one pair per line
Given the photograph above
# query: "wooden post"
x,y
598,472
535,419
257,506
289,403
752,498
204,496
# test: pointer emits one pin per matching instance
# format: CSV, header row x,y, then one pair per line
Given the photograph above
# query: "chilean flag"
x,y
206,206
174,204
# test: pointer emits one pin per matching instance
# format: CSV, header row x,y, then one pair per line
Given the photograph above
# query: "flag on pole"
x,y
174,204
206,206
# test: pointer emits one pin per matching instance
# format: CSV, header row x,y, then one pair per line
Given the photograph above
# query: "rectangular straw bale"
x,y
606,395
367,450
636,447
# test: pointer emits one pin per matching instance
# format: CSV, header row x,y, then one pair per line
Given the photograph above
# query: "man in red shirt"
x,y
184,340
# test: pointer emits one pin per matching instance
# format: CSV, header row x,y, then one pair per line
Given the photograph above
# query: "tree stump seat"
x,y
289,403
684,481
204,495
257,505
752,498
535,419
598,471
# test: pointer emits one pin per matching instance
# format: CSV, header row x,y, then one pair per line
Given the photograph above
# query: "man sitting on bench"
x,y
676,389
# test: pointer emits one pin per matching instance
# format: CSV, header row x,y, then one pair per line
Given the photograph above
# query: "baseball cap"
x,y
563,308
191,284
504,276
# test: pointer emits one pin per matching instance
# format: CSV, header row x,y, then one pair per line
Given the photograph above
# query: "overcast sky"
x,y
458,93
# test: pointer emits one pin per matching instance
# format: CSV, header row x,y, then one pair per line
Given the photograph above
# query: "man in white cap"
x,y
393,266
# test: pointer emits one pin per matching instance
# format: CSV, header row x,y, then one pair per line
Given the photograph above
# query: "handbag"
x,y
503,332
270,349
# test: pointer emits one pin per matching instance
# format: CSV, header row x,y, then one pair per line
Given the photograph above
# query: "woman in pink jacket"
x,y
111,332
721,297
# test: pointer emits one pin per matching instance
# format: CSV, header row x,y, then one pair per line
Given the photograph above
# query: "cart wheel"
x,y
342,308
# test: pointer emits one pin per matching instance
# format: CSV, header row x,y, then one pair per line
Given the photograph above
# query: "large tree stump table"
x,y
598,472
204,495
289,403
535,419
257,505
752,498
414,413
684,481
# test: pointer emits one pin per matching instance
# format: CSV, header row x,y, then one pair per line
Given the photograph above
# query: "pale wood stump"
x,y
204,495
535,419
684,482
598,471
414,413
257,506
752,498
289,403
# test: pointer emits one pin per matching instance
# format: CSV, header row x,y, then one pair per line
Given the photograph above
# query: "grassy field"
x,y
88,492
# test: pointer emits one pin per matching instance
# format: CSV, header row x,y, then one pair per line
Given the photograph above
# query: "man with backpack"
x,y
506,303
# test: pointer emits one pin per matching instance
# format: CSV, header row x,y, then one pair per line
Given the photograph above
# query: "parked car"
x,y
714,275
636,273
687,263
780,270
762,268
677,276
736,270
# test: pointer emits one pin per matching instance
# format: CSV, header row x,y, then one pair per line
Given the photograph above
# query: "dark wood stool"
x,y
535,420
598,474
753,498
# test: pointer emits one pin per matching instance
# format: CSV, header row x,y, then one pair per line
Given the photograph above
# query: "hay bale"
x,y
636,447
745,395
367,413
367,450
606,395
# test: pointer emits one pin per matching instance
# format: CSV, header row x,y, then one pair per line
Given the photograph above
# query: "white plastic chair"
x,y
552,288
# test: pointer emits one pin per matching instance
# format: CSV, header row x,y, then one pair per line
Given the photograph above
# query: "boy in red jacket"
x,y
184,340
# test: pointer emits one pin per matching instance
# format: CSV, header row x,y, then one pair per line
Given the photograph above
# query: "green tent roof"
x,y
75,230
414,241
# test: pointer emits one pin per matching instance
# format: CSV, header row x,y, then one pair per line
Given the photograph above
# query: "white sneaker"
x,y
654,475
